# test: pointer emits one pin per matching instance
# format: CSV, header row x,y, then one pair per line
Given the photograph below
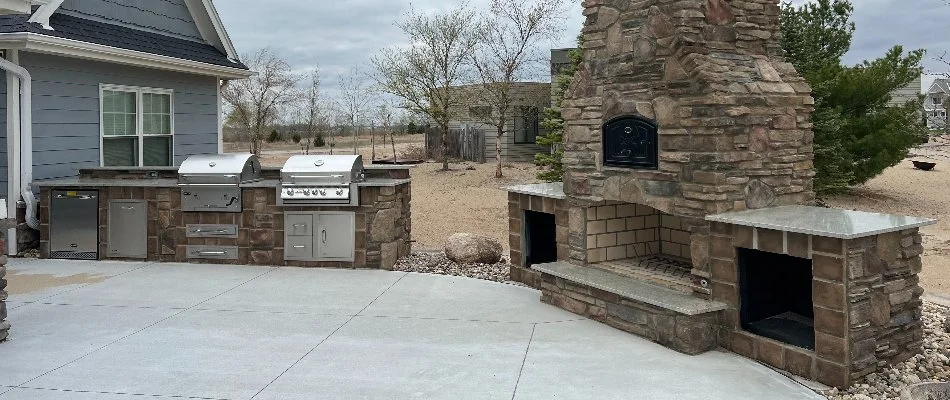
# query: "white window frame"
x,y
139,120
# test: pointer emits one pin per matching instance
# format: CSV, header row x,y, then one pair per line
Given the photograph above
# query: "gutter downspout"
x,y
26,140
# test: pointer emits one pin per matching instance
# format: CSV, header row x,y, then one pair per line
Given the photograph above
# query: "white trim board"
x,y
210,26
75,48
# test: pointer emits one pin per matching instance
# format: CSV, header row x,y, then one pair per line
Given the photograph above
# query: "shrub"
x,y
296,138
274,136
319,141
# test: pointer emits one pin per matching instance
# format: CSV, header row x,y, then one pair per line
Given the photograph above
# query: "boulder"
x,y
467,248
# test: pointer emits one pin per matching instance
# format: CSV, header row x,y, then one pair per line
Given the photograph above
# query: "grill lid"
x,y
220,169
322,170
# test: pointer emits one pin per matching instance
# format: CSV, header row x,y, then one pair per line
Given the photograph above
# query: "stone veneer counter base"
x,y
825,222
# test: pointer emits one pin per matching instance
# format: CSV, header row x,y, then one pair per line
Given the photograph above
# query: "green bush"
x,y
319,141
296,138
274,136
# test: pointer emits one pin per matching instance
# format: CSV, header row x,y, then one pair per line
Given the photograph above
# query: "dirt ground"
x,y
461,200
905,190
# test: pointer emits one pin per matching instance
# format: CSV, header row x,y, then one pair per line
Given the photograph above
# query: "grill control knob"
x,y
323,192
306,192
339,192
290,192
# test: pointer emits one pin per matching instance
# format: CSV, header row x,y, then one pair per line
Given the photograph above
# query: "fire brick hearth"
x,y
684,213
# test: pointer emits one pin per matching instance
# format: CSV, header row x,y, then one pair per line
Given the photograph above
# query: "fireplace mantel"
x,y
825,222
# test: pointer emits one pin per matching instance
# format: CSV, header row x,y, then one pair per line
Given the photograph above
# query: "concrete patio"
x,y
129,330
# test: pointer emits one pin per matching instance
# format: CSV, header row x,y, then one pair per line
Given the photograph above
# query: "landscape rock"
x,y
439,264
903,381
467,248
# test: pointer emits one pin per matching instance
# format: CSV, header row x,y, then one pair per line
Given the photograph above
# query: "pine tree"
x,y
553,123
857,136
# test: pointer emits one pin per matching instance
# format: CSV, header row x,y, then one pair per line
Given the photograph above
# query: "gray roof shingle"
x,y
85,30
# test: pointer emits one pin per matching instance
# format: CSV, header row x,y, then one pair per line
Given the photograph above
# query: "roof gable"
x,y
166,17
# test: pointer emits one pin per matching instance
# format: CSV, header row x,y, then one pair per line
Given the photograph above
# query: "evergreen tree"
x,y
553,123
857,136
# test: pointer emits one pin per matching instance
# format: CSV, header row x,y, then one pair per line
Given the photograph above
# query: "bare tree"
x,y
256,102
509,52
423,75
384,116
311,108
355,96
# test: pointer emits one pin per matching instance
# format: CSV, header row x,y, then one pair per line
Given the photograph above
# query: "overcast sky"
x,y
340,34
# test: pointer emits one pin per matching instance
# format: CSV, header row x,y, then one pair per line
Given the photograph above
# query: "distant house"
x,y
935,104
107,83
524,126
909,93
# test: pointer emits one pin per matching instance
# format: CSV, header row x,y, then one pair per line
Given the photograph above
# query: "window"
x,y
137,127
527,125
938,100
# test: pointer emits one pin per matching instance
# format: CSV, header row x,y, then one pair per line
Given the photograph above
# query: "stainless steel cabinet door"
x,y
336,236
128,229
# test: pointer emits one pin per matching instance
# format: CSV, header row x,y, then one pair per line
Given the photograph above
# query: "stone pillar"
x,y
4,325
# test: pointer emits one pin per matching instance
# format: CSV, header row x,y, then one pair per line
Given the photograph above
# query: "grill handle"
x,y
211,231
212,253
324,236
209,184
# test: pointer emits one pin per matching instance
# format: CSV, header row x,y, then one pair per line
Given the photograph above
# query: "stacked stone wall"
x,y
517,205
689,334
734,118
884,300
383,226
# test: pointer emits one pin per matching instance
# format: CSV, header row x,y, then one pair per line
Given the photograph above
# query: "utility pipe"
x,y
26,140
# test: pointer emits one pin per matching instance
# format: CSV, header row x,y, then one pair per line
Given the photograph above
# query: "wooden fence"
x,y
467,144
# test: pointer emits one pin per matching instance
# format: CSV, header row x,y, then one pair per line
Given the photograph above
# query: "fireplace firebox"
x,y
631,142
540,238
776,297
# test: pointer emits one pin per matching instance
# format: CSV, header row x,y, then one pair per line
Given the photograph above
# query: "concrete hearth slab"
x,y
228,338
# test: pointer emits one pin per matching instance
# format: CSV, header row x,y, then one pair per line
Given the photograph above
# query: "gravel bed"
x,y
931,366
437,263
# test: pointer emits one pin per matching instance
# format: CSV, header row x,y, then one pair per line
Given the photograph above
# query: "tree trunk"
x,y
445,147
373,141
392,139
501,136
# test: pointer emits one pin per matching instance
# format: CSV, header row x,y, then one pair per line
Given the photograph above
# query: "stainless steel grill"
x,y
321,180
213,182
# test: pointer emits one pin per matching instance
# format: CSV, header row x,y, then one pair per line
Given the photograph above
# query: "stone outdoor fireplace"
x,y
683,216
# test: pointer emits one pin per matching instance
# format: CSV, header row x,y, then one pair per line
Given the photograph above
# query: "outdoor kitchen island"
x,y
143,215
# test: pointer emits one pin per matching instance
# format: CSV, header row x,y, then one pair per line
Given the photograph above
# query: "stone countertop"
x,y
99,183
655,295
167,183
548,190
825,222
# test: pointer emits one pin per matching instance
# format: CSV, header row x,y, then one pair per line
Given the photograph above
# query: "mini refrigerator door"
x,y
74,224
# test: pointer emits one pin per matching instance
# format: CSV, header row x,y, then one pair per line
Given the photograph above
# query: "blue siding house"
x,y
108,83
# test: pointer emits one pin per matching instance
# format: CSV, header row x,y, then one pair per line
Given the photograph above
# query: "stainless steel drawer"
x,y
298,224
299,248
212,231
212,252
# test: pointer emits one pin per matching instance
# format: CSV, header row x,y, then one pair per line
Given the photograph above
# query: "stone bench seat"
x,y
628,288
677,320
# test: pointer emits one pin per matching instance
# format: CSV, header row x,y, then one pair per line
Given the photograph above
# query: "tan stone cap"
x,y
826,222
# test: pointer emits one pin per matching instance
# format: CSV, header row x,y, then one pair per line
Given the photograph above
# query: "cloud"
x,y
338,35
